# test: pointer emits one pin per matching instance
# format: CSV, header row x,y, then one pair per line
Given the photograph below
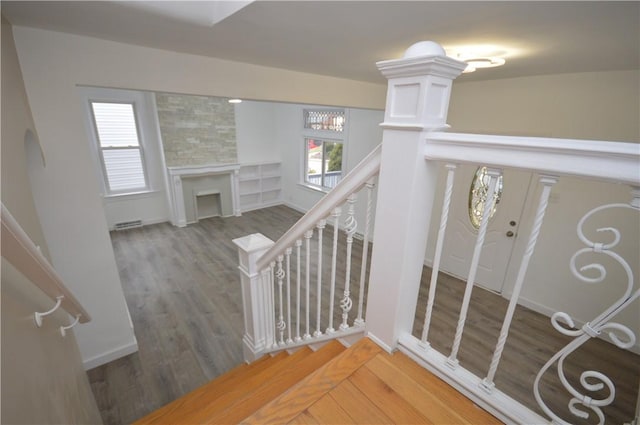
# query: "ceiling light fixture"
x,y
235,101
475,63
480,56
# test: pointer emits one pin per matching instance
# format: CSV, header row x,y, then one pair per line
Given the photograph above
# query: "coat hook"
x,y
64,329
38,316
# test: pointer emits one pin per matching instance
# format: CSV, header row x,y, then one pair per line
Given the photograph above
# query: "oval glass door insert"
x,y
478,196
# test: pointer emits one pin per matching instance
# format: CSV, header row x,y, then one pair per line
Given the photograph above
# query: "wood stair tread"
x,y
304,394
359,385
448,396
273,388
219,392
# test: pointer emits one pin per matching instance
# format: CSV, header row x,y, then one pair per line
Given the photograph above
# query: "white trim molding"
x,y
176,174
618,162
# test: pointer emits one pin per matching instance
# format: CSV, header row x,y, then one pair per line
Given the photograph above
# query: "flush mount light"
x,y
480,56
475,63
235,100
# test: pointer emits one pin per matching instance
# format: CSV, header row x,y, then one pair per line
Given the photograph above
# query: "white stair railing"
x,y
407,163
417,103
272,281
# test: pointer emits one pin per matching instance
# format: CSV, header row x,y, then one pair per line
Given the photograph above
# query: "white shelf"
x,y
260,185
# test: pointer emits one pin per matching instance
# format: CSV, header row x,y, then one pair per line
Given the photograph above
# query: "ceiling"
x,y
345,38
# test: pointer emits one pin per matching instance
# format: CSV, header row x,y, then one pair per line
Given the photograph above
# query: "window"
x,y
323,162
324,120
119,147
478,194
323,143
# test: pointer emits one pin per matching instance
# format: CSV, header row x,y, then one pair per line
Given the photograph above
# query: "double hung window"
x,y
323,147
119,147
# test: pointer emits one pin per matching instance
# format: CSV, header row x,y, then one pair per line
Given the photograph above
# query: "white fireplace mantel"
x,y
177,173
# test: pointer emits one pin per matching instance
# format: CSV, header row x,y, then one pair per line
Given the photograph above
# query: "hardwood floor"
x,y
182,287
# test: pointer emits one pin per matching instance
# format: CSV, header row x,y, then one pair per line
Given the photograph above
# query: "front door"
x,y
501,232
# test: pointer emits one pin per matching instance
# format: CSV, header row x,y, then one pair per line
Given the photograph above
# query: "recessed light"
x,y
235,100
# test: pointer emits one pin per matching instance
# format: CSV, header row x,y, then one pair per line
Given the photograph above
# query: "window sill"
x,y
130,195
314,188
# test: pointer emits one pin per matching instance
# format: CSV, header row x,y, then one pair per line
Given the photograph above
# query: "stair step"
x,y
292,403
360,385
446,395
208,393
274,387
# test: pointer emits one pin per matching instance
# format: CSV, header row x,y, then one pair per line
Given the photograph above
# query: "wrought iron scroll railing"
x,y
549,159
310,285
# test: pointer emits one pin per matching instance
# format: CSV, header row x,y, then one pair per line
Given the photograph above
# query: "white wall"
x,y
16,191
53,65
43,380
362,136
256,132
601,106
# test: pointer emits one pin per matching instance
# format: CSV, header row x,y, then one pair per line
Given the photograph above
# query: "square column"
x,y
417,103
257,296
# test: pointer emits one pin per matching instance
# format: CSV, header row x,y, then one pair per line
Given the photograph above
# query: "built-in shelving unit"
x,y
260,185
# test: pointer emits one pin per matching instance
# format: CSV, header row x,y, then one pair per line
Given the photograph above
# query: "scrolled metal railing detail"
x,y
350,225
581,404
279,274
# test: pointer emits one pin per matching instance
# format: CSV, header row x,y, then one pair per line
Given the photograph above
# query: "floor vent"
x,y
128,225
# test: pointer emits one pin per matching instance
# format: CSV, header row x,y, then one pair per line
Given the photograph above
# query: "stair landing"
x,y
359,385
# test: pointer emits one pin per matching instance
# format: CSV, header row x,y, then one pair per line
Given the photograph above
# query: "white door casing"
x,y
501,234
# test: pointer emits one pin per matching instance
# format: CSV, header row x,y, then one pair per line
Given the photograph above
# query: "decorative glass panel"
x,y
478,196
327,120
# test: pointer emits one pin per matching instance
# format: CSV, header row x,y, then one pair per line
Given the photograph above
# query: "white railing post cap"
x,y
424,48
250,248
253,242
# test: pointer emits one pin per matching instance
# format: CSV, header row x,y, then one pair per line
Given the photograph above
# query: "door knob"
x,y
510,234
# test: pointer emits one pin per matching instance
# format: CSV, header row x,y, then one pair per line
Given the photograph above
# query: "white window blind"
x,y
119,146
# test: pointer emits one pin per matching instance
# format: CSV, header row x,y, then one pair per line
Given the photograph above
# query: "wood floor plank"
x,y
360,408
170,275
210,391
289,405
202,413
327,411
393,405
304,418
271,388
444,392
419,396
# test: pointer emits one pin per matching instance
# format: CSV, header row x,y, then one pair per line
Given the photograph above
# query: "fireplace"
x,y
203,191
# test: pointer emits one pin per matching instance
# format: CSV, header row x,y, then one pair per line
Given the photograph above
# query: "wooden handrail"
x,y
616,162
19,250
354,180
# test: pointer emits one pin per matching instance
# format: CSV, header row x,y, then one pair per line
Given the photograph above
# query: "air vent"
x,y
128,225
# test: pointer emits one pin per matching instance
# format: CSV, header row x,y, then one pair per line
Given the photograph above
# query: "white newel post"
x,y
417,103
257,296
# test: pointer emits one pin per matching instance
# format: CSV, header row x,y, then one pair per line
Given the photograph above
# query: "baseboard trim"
x,y
110,356
378,341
